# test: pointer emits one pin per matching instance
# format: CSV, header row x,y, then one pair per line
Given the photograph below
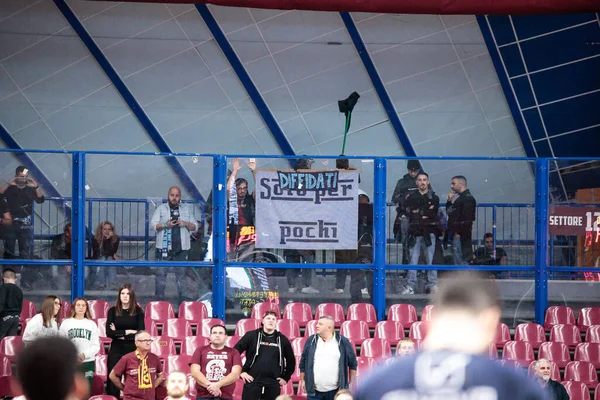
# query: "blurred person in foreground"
x,y
177,386
454,363
554,390
47,370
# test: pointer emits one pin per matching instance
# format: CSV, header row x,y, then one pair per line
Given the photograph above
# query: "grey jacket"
x,y
307,361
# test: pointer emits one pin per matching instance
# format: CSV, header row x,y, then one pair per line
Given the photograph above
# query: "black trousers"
x,y
113,359
9,326
257,391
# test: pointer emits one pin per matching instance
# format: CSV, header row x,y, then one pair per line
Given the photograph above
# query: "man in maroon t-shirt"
x,y
216,367
142,370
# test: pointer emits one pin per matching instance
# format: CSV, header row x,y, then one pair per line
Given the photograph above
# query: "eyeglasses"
x,y
146,340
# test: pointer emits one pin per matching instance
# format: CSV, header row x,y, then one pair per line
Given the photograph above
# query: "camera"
x,y
175,214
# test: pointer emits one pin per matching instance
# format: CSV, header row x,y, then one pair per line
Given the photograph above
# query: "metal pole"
x,y
542,181
379,205
78,225
219,235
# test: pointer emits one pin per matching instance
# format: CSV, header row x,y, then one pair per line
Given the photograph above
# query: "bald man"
x,y
173,223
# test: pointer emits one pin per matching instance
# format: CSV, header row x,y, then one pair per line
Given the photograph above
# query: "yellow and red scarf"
x,y
144,378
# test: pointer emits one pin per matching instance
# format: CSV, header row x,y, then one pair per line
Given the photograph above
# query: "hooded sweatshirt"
x,y
35,328
84,334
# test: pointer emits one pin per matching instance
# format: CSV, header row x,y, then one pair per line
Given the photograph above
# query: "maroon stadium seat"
x,y
10,347
298,345
567,334
530,332
588,316
101,367
427,312
151,327
518,351
98,308
358,331
556,315
311,328
301,312
191,343
502,335
289,328
577,390
259,310
177,328
206,324
193,311
163,346
334,310
179,362
406,314
588,352
418,330
556,352
159,311
376,348
393,331
231,341
582,371
246,325
363,312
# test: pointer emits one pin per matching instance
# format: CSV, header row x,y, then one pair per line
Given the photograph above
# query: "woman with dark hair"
x,y
122,323
45,323
105,244
83,332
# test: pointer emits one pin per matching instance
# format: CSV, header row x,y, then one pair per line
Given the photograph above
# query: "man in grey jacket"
x,y
325,361
173,223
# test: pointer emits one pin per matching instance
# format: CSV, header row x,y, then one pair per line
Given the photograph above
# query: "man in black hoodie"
x,y
270,360
461,207
404,187
11,304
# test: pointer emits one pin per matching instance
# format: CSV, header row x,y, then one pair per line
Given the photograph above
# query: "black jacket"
x,y
419,206
11,300
461,213
556,391
249,343
404,187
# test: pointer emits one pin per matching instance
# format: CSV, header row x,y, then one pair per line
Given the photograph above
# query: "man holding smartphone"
x,y
172,223
20,193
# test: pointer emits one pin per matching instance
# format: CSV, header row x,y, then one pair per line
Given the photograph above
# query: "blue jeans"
x,y
415,253
457,251
323,395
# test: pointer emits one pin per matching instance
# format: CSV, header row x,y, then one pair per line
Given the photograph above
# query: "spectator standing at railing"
x,y
489,255
461,207
404,187
422,210
20,193
105,244
172,223
60,249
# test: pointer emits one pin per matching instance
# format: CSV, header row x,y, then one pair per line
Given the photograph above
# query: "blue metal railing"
x,y
83,214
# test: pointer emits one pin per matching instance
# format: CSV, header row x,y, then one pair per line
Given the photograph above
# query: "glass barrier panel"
x,y
36,214
145,213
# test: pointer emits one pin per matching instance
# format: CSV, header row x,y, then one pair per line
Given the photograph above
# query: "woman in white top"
x,y
83,332
45,323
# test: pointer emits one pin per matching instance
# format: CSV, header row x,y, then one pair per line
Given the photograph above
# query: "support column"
x,y
542,189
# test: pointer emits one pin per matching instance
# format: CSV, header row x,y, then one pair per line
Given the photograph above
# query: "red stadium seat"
x,y
353,345
427,312
163,346
239,388
588,352
296,375
555,352
358,331
406,314
554,371
301,394
151,327
288,388
582,371
177,329
418,330
159,311
231,341
567,334
259,310
376,348
518,351
246,325
334,310
311,328
28,310
101,367
364,364
193,311
363,312
289,328
530,332
65,309
5,368
101,322
393,331
588,316
502,335
24,325
98,308
493,351
593,334
10,347
597,394
191,343
206,324
300,312
103,397
577,390
178,363
556,315
298,345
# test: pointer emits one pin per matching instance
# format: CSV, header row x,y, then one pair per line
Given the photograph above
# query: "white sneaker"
x,y
364,291
338,291
309,290
292,290
408,290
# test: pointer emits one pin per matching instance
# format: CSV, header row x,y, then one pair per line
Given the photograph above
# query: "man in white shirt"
x,y
172,222
325,361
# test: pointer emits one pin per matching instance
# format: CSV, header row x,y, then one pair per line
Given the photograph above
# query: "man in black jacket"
x,y
270,360
404,187
11,304
461,207
422,210
553,389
